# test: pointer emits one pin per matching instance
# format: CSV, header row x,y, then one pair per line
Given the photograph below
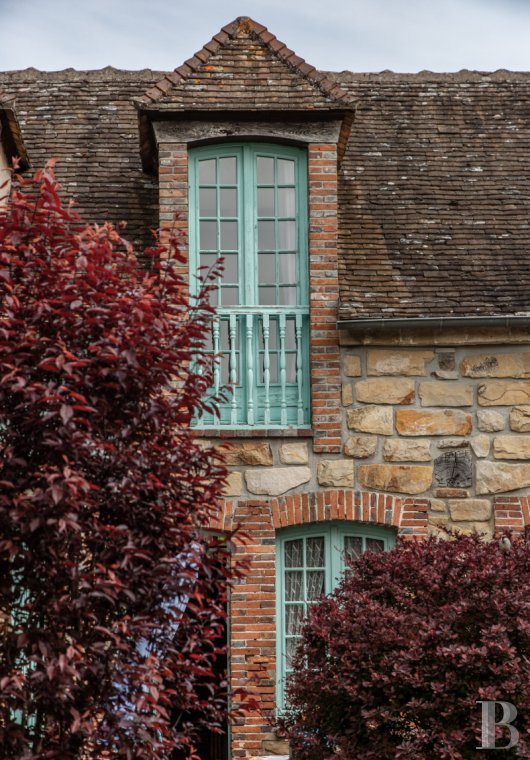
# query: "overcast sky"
x,y
360,35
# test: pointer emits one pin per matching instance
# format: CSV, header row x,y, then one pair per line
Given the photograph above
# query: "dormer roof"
x,y
10,132
245,68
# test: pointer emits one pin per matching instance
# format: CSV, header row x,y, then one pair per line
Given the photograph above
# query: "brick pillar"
x,y
173,194
253,627
324,295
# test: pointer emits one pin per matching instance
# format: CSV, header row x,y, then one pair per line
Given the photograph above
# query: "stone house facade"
x,y
374,314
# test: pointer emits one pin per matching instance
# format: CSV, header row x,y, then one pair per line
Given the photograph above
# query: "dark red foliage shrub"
x,y
392,664
112,594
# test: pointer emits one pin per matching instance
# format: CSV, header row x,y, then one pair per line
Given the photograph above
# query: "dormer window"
x,y
248,205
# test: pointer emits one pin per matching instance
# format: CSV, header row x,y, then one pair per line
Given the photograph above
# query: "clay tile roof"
x,y
244,67
434,196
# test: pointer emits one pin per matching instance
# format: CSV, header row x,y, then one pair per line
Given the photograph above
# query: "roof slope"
x,y
435,196
245,68
85,119
434,186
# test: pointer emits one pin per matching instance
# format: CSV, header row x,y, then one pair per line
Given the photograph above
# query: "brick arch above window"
x,y
406,514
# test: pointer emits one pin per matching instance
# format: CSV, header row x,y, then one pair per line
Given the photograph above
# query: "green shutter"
x,y
248,203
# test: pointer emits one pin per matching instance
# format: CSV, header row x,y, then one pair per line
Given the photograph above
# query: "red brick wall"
x,y
324,293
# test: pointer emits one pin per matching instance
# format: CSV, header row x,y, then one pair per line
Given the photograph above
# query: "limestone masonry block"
x,y
388,362
403,478
490,421
360,446
452,443
438,505
470,509
481,445
400,450
248,453
335,472
520,419
276,480
496,477
293,453
425,422
352,365
371,419
511,447
396,390
503,392
496,365
484,530
347,394
437,520
451,493
234,484
446,394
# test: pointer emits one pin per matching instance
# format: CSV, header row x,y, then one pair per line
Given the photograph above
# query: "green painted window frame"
x,y
267,343
334,533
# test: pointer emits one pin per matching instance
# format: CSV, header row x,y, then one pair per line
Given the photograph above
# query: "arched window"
x,y
310,561
248,204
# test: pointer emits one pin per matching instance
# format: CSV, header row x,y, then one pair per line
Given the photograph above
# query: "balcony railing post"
x,y
232,370
283,372
250,369
266,369
217,362
299,369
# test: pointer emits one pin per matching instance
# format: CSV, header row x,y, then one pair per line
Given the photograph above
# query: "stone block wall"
x,y
446,423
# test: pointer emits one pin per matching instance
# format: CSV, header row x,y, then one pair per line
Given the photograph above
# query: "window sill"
x,y
291,432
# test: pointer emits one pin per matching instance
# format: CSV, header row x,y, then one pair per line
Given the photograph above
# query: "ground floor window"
x,y
310,561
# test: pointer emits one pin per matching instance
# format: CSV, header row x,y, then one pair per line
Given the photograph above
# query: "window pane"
x,y
315,552
208,260
228,202
294,615
288,296
267,268
273,367
375,545
285,172
208,235
266,238
290,368
294,553
229,296
290,648
265,170
207,201
228,236
287,236
288,268
230,268
227,171
294,586
224,335
315,584
273,333
353,547
286,201
290,334
267,296
207,172
266,201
